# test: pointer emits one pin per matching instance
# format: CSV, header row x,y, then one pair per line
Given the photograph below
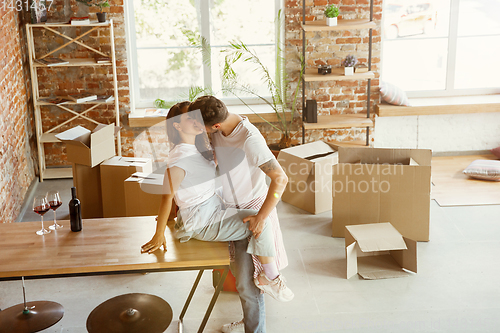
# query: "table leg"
x,y
212,302
214,299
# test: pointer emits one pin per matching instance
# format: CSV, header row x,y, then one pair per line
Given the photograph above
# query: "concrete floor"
x,y
456,288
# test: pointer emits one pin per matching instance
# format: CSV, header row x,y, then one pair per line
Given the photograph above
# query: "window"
x,y
163,34
441,47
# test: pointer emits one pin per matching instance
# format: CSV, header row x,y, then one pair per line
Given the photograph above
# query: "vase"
x,y
101,17
348,70
331,21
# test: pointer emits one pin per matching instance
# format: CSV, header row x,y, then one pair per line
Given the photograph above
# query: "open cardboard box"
x,y
378,185
89,148
87,181
378,251
114,172
143,194
309,171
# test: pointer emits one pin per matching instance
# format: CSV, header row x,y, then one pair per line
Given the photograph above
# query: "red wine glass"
x,y
54,202
41,206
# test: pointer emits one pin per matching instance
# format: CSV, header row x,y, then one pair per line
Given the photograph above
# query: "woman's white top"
x,y
198,184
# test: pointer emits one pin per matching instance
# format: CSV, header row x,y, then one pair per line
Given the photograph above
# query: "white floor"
x,y
456,288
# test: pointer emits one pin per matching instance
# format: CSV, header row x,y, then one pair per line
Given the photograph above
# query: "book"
x,y
56,22
49,61
82,97
361,68
101,60
55,100
84,20
105,98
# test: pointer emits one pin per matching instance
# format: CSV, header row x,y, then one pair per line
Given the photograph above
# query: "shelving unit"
x,y
311,75
49,135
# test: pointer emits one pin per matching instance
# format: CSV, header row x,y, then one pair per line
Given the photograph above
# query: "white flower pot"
x,y
348,70
331,21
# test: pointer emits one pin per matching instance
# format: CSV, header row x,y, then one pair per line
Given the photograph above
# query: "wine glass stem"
x,y
41,218
55,218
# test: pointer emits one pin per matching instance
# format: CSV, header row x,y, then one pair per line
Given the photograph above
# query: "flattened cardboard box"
x,y
114,172
378,251
143,194
89,148
308,168
378,185
87,181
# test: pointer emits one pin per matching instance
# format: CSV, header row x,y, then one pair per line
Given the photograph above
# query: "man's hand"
x,y
256,224
154,244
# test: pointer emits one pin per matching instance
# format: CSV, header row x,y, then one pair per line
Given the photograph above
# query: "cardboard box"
x,y
87,181
89,148
379,185
309,171
378,251
114,172
143,194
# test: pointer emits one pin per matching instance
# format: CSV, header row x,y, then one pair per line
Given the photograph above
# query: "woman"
x,y
191,174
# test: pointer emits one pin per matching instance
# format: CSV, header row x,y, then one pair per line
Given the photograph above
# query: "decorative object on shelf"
x,y
311,115
278,88
101,16
349,62
324,69
360,68
38,11
331,13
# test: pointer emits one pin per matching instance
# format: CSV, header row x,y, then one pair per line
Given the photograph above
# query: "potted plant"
x,y
101,16
349,62
278,87
331,13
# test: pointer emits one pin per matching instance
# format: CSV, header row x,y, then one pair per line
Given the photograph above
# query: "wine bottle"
x,y
75,212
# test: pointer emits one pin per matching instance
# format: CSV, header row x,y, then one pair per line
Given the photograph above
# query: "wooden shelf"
x,y
340,121
341,25
75,63
92,24
54,173
96,101
311,75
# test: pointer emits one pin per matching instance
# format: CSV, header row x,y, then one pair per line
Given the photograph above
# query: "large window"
x,y
441,47
165,36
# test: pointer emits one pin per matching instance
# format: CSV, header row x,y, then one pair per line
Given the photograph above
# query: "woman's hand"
x,y
154,244
256,224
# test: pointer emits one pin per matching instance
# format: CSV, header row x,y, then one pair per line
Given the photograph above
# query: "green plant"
x,y
97,3
331,11
277,87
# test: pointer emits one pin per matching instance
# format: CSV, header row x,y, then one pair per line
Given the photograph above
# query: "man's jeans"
x,y
252,301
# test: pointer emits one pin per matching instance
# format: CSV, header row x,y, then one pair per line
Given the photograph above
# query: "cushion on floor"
x,y
484,169
393,95
496,151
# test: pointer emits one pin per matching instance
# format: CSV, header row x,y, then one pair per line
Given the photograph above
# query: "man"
x,y
244,186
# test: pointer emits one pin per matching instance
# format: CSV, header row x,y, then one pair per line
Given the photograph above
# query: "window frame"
x,y
452,39
203,12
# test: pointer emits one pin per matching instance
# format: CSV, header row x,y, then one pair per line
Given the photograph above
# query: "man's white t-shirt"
x,y
198,184
239,156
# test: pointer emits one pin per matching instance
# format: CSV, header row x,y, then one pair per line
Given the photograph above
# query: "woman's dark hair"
x,y
212,109
201,141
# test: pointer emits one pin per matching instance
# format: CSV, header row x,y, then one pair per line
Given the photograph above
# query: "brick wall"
x,y
17,142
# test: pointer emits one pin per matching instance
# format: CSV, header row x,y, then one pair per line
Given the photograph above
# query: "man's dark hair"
x,y
212,109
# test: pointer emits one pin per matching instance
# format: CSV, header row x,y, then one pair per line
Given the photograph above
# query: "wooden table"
x,y
105,246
